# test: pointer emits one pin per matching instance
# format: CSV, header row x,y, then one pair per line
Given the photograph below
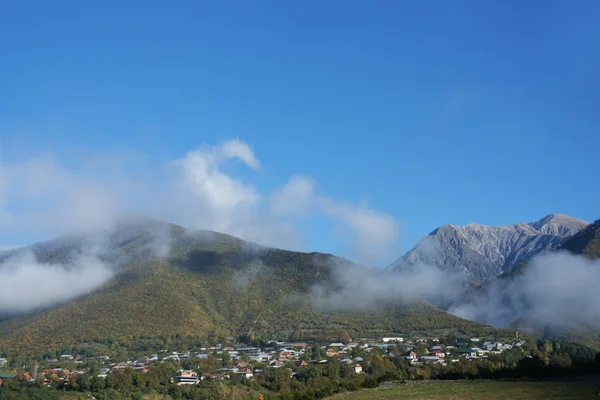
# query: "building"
x,y
187,377
437,353
393,339
468,352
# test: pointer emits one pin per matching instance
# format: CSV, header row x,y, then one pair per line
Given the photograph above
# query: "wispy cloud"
x,y
44,196
354,287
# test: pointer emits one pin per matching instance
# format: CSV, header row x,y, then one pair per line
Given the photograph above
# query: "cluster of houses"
x,y
247,361
443,354
278,356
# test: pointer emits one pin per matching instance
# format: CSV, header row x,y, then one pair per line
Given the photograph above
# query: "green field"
x,y
480,390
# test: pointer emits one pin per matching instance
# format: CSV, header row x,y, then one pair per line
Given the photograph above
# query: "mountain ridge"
x,y
484,252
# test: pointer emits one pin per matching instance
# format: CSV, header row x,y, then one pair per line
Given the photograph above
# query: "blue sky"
x,y
433,112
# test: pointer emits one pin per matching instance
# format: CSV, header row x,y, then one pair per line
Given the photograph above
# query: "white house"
x,y
393,339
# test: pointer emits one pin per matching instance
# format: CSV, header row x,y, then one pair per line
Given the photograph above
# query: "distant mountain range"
x,y
485,252
204,285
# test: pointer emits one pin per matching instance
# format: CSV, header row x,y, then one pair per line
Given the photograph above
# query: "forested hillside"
x,y
211,286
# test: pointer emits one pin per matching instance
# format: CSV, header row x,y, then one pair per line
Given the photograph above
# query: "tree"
x,y
343,336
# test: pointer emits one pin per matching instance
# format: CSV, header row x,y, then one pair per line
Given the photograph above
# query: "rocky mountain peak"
x,y
484,252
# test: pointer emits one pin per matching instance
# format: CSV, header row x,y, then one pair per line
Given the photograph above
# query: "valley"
x,y
201,313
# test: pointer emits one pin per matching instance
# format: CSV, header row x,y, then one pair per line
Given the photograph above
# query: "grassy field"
x,y
480,390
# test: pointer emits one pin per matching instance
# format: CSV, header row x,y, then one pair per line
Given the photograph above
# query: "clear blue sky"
x,y
435,112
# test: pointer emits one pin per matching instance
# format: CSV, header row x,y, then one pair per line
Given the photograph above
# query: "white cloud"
x,y
558,290
213,199
28,285
237,149
295,198
43,195
375,233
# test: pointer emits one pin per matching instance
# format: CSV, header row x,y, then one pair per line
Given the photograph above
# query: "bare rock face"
x,y
484,252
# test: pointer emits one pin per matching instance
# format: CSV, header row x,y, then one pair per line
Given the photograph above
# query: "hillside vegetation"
x,y
479,390
586,242
212,286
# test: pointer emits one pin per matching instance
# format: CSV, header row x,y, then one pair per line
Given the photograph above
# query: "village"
x,y
229,362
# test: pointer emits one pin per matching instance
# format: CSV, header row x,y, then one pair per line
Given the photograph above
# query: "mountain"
x,y
484,252
537,296
586,241
207,286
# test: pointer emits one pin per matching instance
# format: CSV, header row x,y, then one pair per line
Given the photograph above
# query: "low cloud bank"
x,y
353,287
28,285
556,290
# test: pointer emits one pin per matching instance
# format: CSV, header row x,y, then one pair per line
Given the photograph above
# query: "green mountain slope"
x,y
212,286
586,242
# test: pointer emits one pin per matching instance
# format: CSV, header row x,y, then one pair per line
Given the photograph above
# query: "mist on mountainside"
x,y
556,290
29,285
354,287
48,273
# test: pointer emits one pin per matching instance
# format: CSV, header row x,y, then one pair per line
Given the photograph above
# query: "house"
x,y
437,353
245,372
393,339
214,377
331,353
301,363
432,359
25,376
2,362
67,357
468,352
357,368
337,345
276,364
410,355
480,352
474,339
